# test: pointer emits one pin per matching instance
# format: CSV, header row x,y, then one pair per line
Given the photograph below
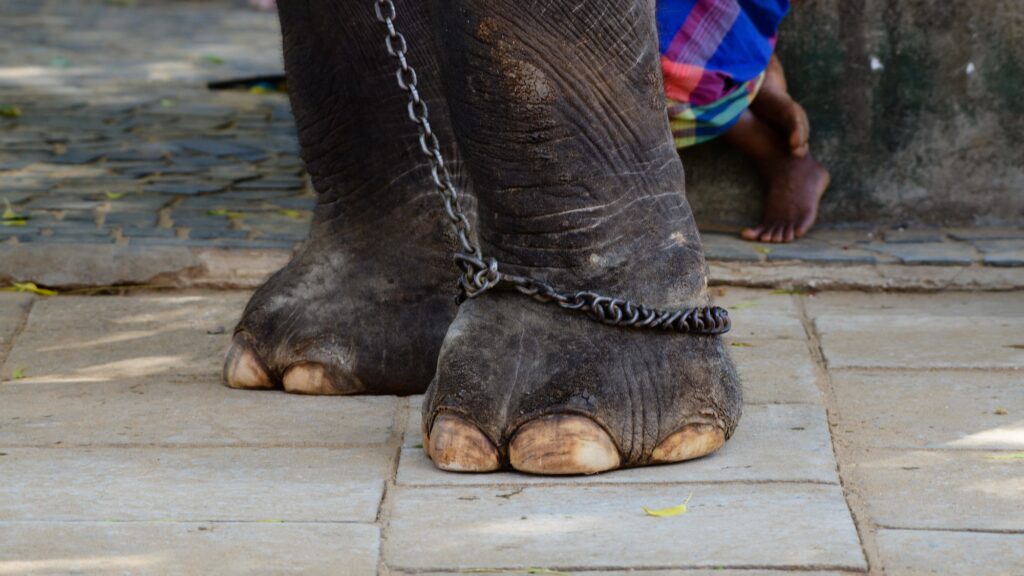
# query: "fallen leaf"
x,y
260,90
114,195
290,213
168,103
1000,412
418,446
792,292
18,374
10,111
666,512
28,287
9,213
227,213
762,250
742,344
212,59
1014,456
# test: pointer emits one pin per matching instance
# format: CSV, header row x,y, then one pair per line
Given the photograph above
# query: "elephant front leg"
x,y
559,111
364,305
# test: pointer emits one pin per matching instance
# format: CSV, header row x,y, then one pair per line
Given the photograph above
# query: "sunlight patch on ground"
x,y
76,565
1011,437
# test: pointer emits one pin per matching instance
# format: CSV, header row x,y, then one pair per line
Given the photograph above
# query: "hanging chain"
x,y
480,273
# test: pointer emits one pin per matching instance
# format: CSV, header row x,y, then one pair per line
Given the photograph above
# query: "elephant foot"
x,y
364,306
577,185
526,386
345,318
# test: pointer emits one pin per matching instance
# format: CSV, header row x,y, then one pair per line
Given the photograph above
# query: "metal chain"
x,y
480,273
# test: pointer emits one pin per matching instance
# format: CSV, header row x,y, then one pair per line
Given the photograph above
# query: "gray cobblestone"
x,y
938,253
816,251
1008,253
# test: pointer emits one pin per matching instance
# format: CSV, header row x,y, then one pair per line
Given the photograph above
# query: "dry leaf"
x,y
28,287
666,512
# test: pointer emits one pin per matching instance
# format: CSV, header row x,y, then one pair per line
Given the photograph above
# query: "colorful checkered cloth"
x,y
713,57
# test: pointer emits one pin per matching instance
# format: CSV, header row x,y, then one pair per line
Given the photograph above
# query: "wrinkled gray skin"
x,y
558,110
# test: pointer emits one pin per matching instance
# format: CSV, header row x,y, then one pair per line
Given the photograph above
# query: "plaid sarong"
x,y
713,57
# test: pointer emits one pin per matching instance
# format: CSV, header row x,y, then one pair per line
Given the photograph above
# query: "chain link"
x,y
480,273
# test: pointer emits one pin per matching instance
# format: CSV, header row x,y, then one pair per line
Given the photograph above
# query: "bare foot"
x,y
795,184
795,188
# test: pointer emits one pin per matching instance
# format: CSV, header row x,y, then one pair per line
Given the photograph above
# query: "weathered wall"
x,y
917,107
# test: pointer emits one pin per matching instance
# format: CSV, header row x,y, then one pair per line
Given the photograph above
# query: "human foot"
x,y
580,204
363,307
795,188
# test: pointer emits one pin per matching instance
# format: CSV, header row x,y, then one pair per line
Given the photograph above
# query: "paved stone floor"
x,y
881,432
111,143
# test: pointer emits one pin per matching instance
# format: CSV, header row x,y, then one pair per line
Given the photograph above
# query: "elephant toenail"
x,y
693,441
563,445
243,369
312,378
458,446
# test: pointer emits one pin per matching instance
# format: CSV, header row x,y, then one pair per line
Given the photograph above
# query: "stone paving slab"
x,y
917,553
934,253
965,410
888,341
949,490
188,548
193,484
760,451
581,527
201,412
87,339
760,314
914,331
775,371
946,304
630,572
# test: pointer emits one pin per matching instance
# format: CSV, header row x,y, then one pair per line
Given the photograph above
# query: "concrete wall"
x,y
917,107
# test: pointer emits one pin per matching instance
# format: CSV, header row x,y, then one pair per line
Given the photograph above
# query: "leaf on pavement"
x,y
28,287
666,512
